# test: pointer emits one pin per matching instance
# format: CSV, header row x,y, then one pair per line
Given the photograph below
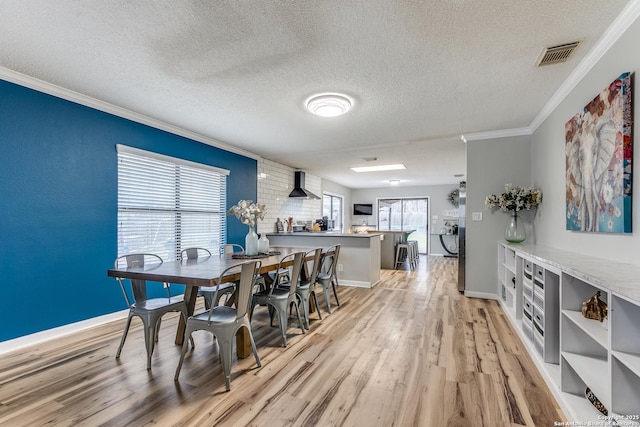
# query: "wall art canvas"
x,y
598,150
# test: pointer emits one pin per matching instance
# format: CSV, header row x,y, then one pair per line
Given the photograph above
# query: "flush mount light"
x,y
379,168
394,181
329,104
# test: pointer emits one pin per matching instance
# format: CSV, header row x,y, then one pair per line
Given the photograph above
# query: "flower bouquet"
x,y
513,200
248,213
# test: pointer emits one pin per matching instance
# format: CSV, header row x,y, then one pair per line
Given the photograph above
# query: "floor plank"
x,y
409,352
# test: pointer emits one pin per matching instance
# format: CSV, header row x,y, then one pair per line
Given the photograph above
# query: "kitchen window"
x,y
332,209
166,204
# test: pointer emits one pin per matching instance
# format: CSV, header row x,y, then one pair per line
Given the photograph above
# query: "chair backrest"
x,y
138,287
244,287
229,249
315,269
296,268
331,256
194,253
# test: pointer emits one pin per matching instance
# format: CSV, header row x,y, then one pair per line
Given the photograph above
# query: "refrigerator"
x,y
462,233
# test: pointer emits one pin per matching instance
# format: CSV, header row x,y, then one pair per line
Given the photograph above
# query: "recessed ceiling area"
x,y
419,73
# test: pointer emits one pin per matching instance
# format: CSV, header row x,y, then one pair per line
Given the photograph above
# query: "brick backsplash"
x,y
275,182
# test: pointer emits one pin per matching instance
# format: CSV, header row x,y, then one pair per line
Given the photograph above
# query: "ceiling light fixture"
x,y
379,168
329,104
394,181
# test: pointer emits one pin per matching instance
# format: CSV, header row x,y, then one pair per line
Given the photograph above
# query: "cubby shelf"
x,y
591,327
572,352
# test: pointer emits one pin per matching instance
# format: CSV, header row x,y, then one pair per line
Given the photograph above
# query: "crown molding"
x,y
621,24
78,98
494,134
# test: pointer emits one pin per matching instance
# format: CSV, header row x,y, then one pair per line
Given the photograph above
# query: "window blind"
x,y
167,204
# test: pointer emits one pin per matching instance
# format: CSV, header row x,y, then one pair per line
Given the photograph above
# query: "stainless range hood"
x,y
299,191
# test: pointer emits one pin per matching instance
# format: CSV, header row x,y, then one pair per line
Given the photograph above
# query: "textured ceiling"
x,y
421,72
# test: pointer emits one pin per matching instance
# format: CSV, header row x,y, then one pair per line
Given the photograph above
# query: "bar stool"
x,y
404,253
416,253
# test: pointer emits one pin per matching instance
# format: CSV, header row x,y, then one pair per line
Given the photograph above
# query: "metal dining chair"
x,y
207,292
328,279
149,310
279,299
228,250
224,322
305,288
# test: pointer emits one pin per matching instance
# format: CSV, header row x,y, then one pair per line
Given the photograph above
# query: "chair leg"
x,y
149,340
254,349
327,297
124,336
300,323
185,345
282,319
335,292
305,309
226,347
315,301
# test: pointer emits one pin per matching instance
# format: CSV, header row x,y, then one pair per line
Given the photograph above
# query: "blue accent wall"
x,y
58,205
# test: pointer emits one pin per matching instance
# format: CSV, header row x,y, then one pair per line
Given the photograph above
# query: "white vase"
x,y
263,244
251,243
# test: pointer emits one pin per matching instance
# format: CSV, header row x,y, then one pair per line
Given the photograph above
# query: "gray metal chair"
x,y
279,299
207,292
149,310
228,250
224,322
328,279
305,288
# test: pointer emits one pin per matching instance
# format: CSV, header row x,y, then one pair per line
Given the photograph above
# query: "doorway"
x,y
404,214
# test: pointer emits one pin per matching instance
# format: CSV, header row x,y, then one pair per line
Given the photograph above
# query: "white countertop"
x,y
621,278
322,234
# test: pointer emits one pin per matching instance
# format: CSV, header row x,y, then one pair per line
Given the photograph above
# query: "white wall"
x,y
273,191
548,159
490,165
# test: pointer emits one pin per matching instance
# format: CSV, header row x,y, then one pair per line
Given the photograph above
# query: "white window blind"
x,y
167,204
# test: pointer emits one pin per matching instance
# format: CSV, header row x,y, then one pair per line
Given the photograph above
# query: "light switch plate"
x,y
476,216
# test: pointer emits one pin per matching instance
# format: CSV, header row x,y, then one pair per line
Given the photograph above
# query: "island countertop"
x,y
322,234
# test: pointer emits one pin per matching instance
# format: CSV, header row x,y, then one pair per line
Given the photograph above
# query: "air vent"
x,y
557,54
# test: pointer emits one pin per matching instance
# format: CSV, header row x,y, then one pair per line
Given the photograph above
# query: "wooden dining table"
x,y
204,271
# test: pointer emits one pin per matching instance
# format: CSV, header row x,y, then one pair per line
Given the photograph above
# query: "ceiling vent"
x,y
557,54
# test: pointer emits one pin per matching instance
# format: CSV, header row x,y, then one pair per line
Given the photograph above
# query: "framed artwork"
x,y
598,154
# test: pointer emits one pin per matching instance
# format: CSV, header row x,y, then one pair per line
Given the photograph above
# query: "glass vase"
x,y
263,244
251,243
514,233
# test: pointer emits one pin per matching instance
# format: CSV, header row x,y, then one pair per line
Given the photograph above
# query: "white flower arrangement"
x,y
248,212
515,199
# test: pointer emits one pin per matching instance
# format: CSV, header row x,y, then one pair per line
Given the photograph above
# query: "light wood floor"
x,y
410,352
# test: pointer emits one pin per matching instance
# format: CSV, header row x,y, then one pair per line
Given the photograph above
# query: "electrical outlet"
x,y
476,216
340,267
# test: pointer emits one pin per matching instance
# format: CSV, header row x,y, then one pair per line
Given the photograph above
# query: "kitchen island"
x,y
359,260
390,240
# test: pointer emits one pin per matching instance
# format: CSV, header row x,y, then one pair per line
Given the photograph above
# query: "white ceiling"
x,y
421,72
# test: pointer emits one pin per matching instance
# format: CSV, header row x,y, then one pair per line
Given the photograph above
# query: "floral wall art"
x,y
598,149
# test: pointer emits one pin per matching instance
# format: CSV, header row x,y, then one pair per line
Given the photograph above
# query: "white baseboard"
x,y
50,334
482,295
357,284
